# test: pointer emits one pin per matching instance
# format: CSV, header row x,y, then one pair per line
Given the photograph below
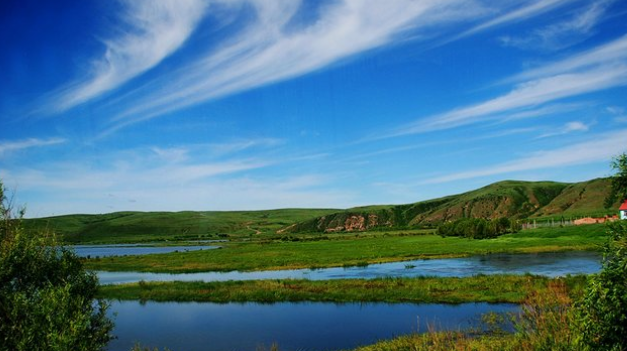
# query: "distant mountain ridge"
x,y
512,199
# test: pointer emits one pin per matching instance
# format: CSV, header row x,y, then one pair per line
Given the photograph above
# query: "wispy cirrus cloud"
x,y
594,70
150,32
167,179
618,113
16,145
562,34
551,109
524,12
146,169
525,95
570,127
267,50
612,52
600,149
183,153
241,145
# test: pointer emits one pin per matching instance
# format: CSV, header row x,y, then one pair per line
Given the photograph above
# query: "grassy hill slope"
x,y
512,199
580,199
187,225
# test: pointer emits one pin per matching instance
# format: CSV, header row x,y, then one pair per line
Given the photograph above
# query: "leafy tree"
x,y
603,310
47,299
619,180
478,228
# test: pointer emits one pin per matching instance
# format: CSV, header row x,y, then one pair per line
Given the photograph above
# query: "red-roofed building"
x,y
623,210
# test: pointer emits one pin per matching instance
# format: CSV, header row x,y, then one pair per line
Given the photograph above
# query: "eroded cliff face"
x,y
352,223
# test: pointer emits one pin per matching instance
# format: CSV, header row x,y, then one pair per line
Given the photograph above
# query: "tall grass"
x,y
547,322
486,288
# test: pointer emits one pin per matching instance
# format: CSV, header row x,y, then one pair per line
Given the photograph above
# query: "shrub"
x,y
603,310
47,299
477,228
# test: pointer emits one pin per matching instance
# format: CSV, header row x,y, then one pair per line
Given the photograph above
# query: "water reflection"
x,y
294,326
132,249
547,264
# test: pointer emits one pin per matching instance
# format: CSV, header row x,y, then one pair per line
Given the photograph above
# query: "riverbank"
x,y
491,289
356,250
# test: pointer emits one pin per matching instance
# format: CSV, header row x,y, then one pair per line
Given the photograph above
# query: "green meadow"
x,y
352,250
137,227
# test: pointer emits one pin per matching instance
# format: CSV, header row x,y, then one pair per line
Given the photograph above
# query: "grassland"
x,y
513,199
356,249
492,289
136,227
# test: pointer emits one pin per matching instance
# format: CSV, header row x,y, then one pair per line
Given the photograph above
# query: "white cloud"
x,y
130,185
151,31
127,170
528,94
269,48
172,155
569,127
601,149
10,146
610,53
266,51
597,69
615,110
554,109
565,33
241,145
618,113
576,127
520,14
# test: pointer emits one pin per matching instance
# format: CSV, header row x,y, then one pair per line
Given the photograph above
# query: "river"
x,y
546,264
293,326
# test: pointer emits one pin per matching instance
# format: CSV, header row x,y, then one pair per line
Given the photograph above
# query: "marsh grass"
x,y
483,288
545,323
352,251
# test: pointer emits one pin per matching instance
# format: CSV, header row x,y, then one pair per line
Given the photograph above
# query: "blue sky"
x,y
256,104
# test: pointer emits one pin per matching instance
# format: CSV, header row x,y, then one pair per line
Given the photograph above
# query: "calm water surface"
x,y
294,326
547,264
131,249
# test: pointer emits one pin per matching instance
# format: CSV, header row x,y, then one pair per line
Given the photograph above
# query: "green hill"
x,y
512,199
156,226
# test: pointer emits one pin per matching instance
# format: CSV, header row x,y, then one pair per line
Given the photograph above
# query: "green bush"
x,y
619,181
603,310
478,228
47,299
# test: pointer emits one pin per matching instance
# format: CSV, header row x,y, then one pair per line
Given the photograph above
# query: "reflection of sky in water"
x,y
294,326
547,264
131,249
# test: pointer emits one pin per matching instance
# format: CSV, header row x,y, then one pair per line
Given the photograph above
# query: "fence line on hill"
x,y
563,222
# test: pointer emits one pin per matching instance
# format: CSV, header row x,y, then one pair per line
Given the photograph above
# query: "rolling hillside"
x,y
513,199
155,226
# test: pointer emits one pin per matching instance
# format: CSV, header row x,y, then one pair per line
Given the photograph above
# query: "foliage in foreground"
x,y
619,180
603,310
47,299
